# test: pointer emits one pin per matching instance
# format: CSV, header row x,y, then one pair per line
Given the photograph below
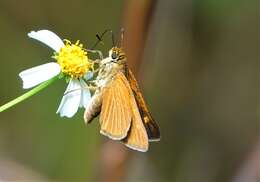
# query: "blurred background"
x,y
197,63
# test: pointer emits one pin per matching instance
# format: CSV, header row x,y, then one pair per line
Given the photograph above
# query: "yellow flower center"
x,y
73,59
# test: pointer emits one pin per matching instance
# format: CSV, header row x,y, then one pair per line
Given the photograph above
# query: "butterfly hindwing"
x,y
137,138
151,126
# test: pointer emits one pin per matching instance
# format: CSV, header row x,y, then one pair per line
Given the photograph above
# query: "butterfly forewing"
x,y
151,126
115,117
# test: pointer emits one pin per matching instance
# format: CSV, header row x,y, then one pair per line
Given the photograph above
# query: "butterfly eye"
x,y
114,55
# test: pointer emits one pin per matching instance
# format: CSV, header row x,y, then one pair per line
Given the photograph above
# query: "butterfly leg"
x,y
96,52
91,88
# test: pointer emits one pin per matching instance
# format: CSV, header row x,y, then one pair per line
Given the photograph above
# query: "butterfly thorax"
x,y
110,66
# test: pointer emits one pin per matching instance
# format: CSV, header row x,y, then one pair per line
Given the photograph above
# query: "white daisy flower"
x,y
72,62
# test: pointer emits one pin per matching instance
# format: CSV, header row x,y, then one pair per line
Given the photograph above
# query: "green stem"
x,y
28,94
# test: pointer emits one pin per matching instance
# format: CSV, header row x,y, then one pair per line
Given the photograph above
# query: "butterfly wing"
x,y
137,138
151,126
119,117
115,116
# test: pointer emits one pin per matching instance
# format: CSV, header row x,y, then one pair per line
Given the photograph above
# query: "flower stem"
x,y
28,94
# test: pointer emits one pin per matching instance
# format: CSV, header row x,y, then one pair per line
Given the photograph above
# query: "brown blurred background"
x,y
197,63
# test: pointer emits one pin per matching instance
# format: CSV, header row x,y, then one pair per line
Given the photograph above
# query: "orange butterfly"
x,y
123,113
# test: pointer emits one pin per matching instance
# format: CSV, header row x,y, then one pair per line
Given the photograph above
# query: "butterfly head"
x,y
117,55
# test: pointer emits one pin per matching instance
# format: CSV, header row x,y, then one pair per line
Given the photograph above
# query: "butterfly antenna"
x,y
120,42
99,37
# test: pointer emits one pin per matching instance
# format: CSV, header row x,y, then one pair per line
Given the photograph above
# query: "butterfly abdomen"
x,y
94,107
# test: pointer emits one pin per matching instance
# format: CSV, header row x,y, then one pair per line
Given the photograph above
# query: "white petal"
x,y
71,100
36,75
85,94
47,37
88,75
